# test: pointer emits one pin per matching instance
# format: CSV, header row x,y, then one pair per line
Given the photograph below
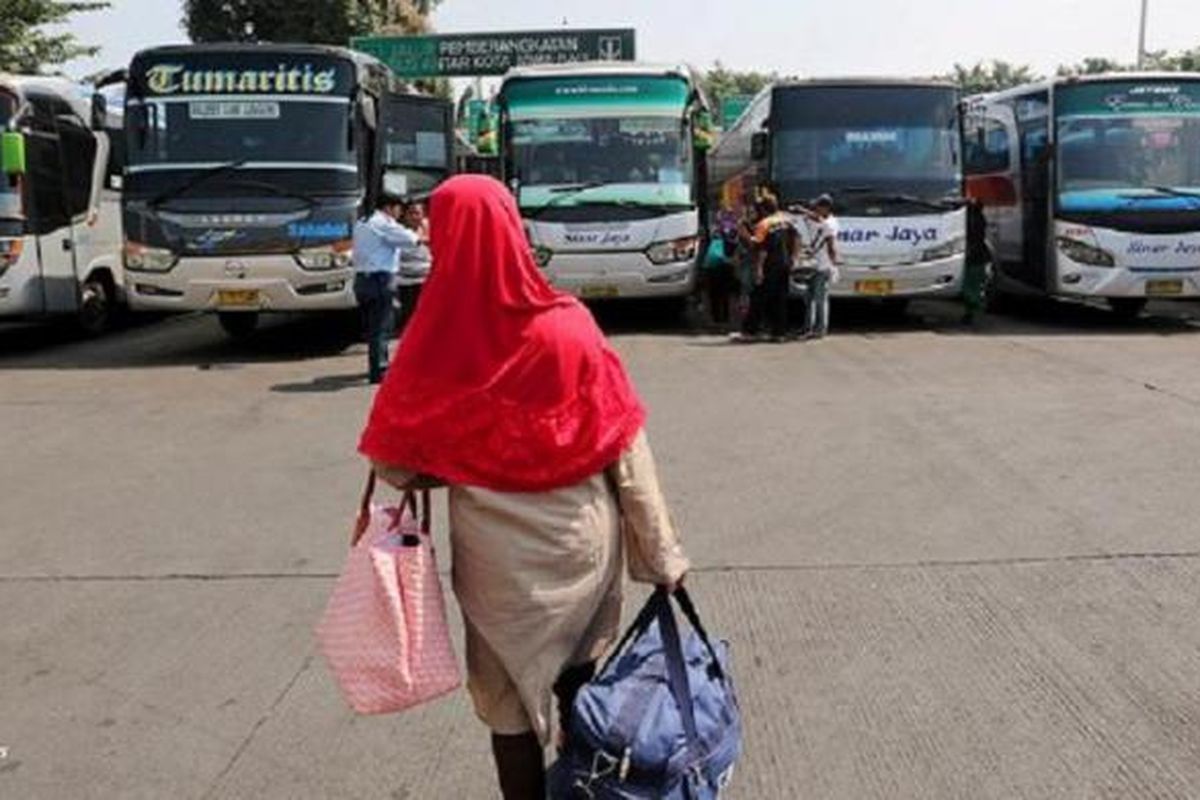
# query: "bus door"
x,y
416,144
996,181
1033,128
61,156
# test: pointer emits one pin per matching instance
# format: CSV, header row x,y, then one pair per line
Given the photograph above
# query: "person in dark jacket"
x,y
978,268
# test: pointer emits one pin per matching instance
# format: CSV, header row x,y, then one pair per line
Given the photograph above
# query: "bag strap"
x,y
677,676
424,513
689,610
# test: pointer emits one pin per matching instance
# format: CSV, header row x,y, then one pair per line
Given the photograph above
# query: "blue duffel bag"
x,y
660,720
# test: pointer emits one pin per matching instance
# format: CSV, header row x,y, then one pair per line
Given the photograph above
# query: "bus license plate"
x,y
1164,288
238,298
875,288
599,292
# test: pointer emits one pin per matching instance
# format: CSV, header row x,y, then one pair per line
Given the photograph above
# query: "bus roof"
x,y
849,82
1073,80
578,68
75,94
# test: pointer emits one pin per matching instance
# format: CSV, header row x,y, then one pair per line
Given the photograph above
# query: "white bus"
x,y
60,235
248,165
1092,186
889,153
608,164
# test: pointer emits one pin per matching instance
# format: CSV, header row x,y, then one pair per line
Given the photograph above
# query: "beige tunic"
x,y
539,579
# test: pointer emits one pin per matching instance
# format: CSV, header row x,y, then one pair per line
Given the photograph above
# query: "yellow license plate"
x,y
876,288
604,292
1164,288
238,298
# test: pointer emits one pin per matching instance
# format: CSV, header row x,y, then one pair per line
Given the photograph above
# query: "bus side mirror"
x,y
702,135
759,143
486,143
12,153
99,112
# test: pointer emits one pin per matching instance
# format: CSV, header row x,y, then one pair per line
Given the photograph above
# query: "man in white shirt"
x,y
378,242
823,227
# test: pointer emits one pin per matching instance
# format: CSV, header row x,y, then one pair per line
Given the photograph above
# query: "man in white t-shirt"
x,y
823,228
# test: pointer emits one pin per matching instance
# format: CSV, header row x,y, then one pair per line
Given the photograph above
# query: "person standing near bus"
x,y
977,270
823,227
378,242
774,243
415,262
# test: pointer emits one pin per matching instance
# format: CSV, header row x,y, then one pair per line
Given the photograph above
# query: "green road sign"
x,y
732,108
495,53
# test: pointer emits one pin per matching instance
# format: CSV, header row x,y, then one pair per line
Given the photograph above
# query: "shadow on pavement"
x,y
323,385
190,340
1036,316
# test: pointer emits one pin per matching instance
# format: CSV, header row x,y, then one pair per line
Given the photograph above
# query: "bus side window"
x,y
79,155
47,201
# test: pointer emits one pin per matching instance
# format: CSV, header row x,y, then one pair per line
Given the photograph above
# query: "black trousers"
x,y
769,303
376,299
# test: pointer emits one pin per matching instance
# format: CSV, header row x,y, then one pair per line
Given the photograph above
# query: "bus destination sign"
x,y
464,55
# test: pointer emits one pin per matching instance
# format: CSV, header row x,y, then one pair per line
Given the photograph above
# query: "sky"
x,y
791,37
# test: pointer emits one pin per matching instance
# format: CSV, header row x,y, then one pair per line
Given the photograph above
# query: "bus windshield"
x,y
191,134
643,159
881,140
1128,145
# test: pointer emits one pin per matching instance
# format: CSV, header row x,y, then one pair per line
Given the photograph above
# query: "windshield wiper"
x,y
887,197
279,191
196,180
564,193
1170,190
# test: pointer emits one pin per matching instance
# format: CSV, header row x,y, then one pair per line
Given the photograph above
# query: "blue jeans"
x,y
816,317
376,298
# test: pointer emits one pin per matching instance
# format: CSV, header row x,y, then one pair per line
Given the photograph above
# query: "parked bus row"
x,y
227,178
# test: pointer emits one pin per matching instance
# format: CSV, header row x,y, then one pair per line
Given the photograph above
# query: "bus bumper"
x,y
602,276
249,283
1077,280
938,279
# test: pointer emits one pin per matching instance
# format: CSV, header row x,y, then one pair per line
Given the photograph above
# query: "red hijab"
x,y
500,381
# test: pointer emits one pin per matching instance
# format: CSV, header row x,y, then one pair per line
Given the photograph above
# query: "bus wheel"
x,y
1127,309
238,324
96,309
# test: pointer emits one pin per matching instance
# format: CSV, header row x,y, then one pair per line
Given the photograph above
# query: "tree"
x,y
990,77
26,48
721,83
1187,61
317,21
1093,66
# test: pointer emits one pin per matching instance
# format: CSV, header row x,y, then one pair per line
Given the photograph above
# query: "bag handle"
x,y
649,613
424,514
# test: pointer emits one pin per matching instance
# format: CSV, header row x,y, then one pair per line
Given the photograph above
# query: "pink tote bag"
x,y
384,631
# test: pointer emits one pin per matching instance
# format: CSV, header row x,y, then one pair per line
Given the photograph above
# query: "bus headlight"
x,y
950,249
1082,253
334,256
143,258
674,251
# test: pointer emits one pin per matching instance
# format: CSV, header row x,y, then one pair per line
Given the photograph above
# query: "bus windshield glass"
x,y
1129,146
290,121
635,159
10,205
870,140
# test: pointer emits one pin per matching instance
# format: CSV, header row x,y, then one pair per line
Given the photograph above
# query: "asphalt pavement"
x,y
952,563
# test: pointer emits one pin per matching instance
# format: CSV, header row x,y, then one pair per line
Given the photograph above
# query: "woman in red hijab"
x,y
505,390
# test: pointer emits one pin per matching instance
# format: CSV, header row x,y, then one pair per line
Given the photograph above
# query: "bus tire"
x,y
1127,309
97,305
238,324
